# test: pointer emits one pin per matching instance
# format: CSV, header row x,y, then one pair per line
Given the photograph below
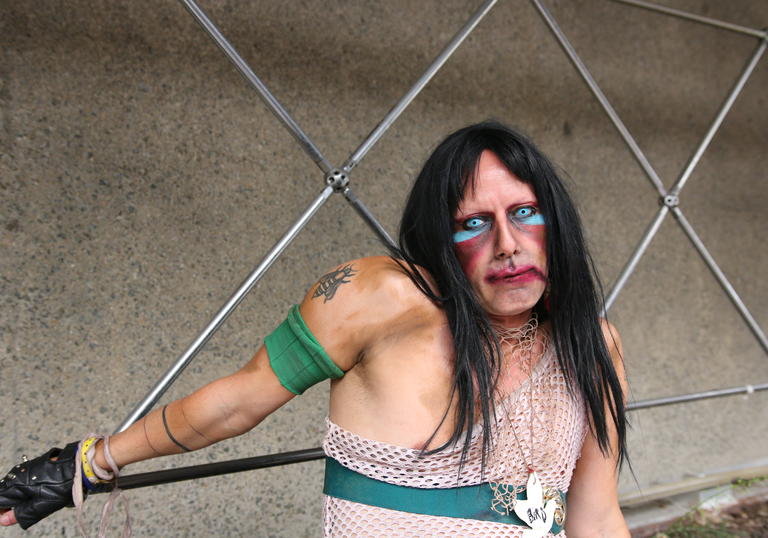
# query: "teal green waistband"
x,y
469,502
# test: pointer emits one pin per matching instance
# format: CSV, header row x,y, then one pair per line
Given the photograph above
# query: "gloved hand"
x,y
37,488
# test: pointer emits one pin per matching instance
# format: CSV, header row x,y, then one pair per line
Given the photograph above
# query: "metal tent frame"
x,y
337,180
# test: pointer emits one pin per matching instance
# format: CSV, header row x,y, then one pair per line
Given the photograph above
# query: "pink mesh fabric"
x,y
559,428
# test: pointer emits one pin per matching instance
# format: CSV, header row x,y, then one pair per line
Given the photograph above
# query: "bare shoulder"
x,y
611,336
354,281
613,345
360,300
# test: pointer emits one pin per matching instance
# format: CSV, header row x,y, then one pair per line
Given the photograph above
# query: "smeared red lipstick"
x,y
518,275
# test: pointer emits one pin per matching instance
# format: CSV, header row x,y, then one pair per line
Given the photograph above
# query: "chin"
x,y
506,307
510,310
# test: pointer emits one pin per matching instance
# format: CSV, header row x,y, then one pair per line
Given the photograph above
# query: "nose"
x,y
506,240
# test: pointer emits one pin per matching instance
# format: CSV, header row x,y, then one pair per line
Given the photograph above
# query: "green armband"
x,y
297,358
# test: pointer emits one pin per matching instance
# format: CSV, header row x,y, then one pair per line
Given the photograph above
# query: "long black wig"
x,y
574,295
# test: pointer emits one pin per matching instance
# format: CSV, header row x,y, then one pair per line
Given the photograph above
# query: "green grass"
x,y
699,524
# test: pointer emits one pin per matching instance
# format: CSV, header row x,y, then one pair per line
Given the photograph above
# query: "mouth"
x,y
518,275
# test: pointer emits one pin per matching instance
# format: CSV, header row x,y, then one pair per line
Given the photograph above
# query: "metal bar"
x,y
168,476
697,18
724,109
600,96
173,372
154,478
438,62
272,103
682,398
368,217
721,278
631,265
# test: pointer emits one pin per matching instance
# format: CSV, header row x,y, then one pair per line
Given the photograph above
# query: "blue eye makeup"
x,y
520,216
527,215
473,227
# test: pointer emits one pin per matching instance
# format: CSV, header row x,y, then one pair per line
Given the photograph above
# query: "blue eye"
x,y
525,212
474,223
527,215
472,227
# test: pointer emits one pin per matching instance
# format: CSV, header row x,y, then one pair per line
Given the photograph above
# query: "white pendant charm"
x,y
537,515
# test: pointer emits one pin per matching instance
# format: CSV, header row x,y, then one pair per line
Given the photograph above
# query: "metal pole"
x,y
724,109
631,265
697,18
721,278
170,376
393,114
368,217
657,402
272,103
600,96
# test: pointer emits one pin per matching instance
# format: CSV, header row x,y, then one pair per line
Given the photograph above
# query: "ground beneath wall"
x,y
747,521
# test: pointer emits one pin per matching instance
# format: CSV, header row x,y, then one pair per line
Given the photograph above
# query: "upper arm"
x,y
353,305
593,507
238,402
344,310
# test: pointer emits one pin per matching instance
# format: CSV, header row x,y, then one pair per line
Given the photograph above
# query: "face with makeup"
x,y
500,241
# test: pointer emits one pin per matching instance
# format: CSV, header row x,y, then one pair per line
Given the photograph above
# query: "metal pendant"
x,y
537,514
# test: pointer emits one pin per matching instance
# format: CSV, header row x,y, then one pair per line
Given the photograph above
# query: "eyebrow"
x,y
471,214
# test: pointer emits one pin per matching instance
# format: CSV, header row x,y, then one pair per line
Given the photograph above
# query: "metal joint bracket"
x,y
337,179
670,200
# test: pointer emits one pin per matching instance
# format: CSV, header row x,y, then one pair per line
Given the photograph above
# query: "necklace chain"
x,y
519,347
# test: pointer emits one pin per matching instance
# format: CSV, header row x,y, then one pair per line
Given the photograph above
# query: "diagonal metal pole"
x,y
270,100
173,372
411,94
693,17
634,259
653,228
600,96
395,112
650,172
717,122
721,279
368,217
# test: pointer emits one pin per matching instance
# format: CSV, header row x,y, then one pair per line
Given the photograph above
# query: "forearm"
x,y
149,438
225,408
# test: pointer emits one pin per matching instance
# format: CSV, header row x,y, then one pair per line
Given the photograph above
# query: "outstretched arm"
x,y
233,404
224,408
593,503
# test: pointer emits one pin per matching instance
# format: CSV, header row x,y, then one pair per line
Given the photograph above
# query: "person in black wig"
x,y
474,382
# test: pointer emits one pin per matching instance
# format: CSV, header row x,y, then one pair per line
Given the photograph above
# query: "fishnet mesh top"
x,y
559,427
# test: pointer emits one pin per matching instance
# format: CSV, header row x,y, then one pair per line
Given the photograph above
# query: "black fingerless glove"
x,y
37,488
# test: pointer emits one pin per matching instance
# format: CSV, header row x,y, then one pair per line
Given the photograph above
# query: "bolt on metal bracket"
x,y
670,200
337,179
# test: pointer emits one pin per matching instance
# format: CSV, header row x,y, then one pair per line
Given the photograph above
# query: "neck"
x,y
514,321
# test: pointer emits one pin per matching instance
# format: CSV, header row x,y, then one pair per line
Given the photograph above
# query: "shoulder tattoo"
x,y
330,282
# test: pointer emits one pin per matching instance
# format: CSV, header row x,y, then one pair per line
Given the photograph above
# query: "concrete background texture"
x,y
141,179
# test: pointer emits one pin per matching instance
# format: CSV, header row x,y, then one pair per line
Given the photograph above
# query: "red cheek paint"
x,y
469,252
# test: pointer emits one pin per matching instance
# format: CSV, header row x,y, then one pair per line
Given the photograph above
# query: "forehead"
x,y
494,185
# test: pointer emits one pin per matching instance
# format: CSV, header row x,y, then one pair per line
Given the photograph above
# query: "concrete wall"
x,y
141,179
